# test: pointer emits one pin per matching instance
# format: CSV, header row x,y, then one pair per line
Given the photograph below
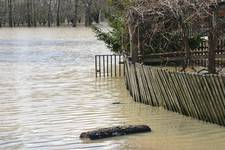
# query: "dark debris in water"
x,y
115,131
117,103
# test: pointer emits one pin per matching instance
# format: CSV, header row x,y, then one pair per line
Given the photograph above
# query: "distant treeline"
x,y
34,13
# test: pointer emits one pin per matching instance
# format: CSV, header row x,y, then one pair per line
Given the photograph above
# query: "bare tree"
x,y
58,12
177,17
97,8
49,12
10,13
34,11
88,18
75,13
1,12
5,12
43,12
29,10
216,30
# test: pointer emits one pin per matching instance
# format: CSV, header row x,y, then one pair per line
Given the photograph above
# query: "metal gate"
x,y
109,65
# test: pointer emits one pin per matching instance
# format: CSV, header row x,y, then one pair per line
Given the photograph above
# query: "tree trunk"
x,y
58,13
99,16
212,52
88,19
28,13
186,49
34,13
4,20
213,39
10,13
49,13
133,43
75,13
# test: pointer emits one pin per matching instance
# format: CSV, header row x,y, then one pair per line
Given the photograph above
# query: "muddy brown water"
x,y
49,95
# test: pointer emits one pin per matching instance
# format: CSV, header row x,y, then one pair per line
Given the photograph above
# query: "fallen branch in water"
x,y
115,131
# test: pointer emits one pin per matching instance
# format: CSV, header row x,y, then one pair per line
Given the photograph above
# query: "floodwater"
x,y
49,95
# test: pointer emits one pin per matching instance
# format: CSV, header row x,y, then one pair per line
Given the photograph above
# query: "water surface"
x,y
49,95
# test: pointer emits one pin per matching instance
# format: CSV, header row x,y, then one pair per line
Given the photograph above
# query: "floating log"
x,y
115,131
117,103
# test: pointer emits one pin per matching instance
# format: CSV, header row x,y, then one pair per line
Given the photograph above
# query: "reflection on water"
x,y
49,95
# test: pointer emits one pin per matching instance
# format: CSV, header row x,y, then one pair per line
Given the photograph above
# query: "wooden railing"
x,y
199,56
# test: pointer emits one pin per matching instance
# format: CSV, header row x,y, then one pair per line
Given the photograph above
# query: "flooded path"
x,y
49,95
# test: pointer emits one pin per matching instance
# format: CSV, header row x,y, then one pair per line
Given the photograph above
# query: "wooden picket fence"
x,y
199,56
191,94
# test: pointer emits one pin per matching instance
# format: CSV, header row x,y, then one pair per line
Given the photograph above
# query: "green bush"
x,y
195,42
117,38
112,39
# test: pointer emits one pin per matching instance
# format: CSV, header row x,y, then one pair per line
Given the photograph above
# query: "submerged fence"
x,y
198,96
109,65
